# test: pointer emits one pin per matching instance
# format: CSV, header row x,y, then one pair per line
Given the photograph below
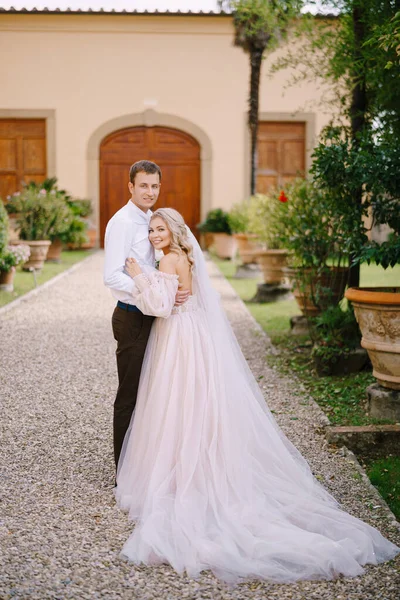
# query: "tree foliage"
x,y
356,53
259,26
357,56
342,167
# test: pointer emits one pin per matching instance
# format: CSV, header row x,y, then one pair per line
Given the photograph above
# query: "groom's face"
x,y
145,190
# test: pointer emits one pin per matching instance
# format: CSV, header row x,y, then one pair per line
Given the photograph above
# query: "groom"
x,y
127,236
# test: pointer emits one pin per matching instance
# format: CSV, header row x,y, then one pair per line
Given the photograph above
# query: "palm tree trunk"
x,y
255,70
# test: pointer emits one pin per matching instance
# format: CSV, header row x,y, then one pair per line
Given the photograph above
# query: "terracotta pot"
x,y
54,253
7,280
247,247
334,281
38,255
225,245
91,234
206,240
272,263
92,239
13,231
377,312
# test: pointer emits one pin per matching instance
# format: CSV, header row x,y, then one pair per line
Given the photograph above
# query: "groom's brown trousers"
x,y
131,330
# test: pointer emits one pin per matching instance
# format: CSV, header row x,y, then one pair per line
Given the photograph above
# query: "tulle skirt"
x,y
212,482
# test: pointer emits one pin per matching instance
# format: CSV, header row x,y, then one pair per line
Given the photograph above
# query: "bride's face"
x,y
159,234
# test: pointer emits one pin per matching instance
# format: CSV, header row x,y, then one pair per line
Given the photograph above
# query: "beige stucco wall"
x,y
93,72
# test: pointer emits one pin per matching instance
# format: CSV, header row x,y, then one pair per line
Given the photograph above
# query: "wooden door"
x,y
22,153
281,153
178,155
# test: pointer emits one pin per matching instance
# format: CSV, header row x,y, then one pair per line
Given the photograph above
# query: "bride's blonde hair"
x,y
179,237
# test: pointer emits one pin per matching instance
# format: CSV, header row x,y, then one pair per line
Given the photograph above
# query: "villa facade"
x,y
84,95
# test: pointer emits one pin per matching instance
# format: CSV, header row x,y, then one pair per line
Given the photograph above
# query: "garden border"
x,y
46,284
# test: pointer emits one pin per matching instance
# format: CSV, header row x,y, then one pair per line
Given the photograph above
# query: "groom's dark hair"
x,y
143,166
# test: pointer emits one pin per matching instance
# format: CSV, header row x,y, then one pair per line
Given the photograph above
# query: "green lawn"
x,y
342,397
24,281
385,475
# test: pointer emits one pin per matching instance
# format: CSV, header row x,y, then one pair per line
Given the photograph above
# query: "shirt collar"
x,y
138,215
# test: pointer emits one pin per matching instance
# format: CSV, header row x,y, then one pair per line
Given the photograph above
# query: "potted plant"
x,y
370,162
239,221
4,221
316,236
10,258
265,221
217,223
72,230
40,215
79,233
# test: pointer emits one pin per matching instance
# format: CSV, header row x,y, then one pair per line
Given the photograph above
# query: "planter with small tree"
x,y
40,215
247,241
341,166
264,221
54,213
10,259
316,236
372,163
217,223
80,234
10,256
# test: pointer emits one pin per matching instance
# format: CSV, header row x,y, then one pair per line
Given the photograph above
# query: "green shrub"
x,y
46,212
335,333
239,217
216,221
40,215
265,218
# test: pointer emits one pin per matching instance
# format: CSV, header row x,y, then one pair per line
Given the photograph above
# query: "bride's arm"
x,y
154,293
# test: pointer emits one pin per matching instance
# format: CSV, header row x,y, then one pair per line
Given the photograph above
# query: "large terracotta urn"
x,y
225,245
331,286
206,240
38,255
247,247
54,253
272,263
377,312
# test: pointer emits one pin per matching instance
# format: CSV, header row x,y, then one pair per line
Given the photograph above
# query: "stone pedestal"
x,y
248,271
299,325
269,292
383,403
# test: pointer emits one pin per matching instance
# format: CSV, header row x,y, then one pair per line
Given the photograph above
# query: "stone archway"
x,y
176,152
148,118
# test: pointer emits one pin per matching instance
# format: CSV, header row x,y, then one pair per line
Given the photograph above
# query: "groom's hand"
x,y
181,296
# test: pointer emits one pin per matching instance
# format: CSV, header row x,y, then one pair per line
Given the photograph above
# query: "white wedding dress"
x,y
205,471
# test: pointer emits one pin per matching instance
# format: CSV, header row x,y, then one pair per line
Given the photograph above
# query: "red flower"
x,y
283,197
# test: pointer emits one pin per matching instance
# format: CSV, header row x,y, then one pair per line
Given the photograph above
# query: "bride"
x,y
205,471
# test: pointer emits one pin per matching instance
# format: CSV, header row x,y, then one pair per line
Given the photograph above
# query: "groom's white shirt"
x,y
127,235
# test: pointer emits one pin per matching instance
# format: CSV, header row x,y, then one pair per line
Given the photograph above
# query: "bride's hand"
x,y
132,267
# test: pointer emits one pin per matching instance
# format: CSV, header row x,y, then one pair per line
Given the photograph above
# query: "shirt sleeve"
x,y
155,293
117,245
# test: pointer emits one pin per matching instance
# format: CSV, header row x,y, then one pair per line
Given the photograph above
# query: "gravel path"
x,y
60,530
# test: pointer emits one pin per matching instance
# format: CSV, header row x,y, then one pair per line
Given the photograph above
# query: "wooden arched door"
x,y
176,152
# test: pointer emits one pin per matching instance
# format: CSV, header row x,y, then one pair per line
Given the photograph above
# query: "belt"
x,y
128,307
